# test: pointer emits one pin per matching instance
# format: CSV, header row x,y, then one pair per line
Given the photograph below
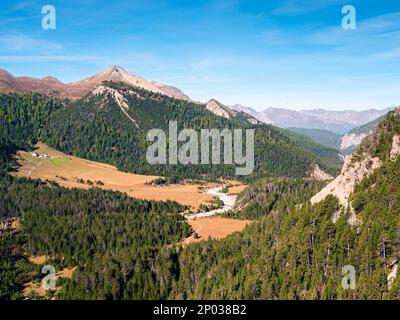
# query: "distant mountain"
x,y
221,110
352,139
47,85
74,90
347,142
258,115
339,122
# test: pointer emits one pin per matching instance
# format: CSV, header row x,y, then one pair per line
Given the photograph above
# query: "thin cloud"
x,y
43,58
299,7
18,42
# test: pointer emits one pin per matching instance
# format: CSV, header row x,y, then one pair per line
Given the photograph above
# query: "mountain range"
x,y
347,142
74,90
339,122
122,248
329,128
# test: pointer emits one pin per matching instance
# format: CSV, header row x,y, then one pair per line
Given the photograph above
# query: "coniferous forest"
x,y
126,248
94,128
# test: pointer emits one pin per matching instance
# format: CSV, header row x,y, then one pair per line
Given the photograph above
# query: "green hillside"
x,y
289,254
95,128
324,137
22,118
329,156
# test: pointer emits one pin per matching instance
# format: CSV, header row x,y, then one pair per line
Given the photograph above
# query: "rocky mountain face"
x,y
257,115
221,110
353,172
352,139
368,158
77,89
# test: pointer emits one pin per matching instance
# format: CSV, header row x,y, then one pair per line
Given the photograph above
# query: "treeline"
x,y
275,196
18,195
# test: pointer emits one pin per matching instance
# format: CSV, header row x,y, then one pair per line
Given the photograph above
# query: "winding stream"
x,y
228,200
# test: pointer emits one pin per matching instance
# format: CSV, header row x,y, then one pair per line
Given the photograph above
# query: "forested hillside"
x,y
300,255
72,226
129,249
22,117
274,196
289,254
328,156
324,137
94,127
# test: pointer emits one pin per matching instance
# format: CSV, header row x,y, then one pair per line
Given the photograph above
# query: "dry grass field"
x,y
74,172
69,171
215,227
237,189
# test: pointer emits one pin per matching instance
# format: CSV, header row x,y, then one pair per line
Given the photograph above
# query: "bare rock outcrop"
x,y
317,173
119,98
351,140
395,151
219,109
355,168
393,273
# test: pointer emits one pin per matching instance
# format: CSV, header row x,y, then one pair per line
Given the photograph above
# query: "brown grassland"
x,y
215,228
68,171
74,172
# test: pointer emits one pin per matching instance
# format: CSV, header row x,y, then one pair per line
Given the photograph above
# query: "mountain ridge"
x,y
339,122
77,89
102,133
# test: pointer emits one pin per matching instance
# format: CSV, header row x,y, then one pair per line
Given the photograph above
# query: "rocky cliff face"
x,y
395,151
363,162
355,168
317,173
351,140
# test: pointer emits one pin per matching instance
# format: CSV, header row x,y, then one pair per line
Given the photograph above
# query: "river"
x,y
228,200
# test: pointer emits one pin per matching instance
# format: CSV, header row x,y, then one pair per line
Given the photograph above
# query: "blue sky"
x,y
281,53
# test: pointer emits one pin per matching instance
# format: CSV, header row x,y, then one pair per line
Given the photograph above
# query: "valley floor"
x,y
74,172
